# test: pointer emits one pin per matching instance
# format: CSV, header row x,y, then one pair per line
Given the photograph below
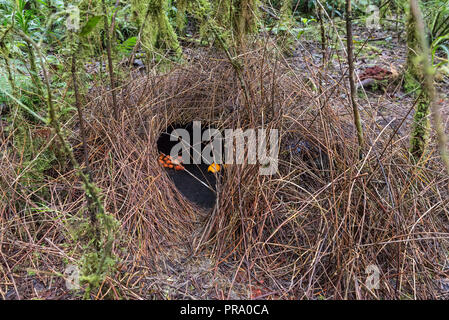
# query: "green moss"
x,y
223,12
36,158
181,6
202,9
286,39
238,17
246,14
412,83
413,70
98,259
421,128
158,34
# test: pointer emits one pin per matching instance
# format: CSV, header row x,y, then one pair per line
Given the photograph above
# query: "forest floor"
x,y
385,49
195,277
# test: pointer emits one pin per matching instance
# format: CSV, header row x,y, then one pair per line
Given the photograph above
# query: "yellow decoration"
x,y
214,168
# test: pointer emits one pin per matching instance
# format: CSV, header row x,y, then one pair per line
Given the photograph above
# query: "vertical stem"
x,y
245,16
90,205
181,6
33,69
429,87
355,109
139,36
80,116
323,34
397,22
111,70
323,47
117,2
5,53
10,77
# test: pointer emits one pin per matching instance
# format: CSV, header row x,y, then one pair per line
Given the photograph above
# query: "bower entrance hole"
x,y
195,182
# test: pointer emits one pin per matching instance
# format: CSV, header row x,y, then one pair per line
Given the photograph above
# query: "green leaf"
x,y
128,44
43,2
440,39
34,114
445,49
300,33
90,25
445,61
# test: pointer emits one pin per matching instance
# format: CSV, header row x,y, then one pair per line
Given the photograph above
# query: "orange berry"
x,y
214,168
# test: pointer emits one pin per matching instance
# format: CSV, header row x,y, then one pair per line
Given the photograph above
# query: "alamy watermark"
x,y
261,145
72,277
373,278
373,19
73,20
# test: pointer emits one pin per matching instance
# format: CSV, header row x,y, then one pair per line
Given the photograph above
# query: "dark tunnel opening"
x,y
194,181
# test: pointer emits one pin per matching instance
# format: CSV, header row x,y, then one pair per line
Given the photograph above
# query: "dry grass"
x,y
308,232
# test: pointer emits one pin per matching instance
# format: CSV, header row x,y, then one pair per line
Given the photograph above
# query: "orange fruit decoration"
x,y
169,162
214,168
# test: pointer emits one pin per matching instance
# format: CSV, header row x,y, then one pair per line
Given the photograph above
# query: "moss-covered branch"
x,y
157,32
420,133
96,263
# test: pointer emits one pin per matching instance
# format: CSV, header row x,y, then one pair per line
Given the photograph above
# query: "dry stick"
x,y
235,64
391,138
323,35
113,18
271,14
324,55
428,83
355,109
356,55
80,116
111,70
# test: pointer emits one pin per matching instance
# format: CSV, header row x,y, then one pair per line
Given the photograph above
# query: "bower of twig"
x,y
309,231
